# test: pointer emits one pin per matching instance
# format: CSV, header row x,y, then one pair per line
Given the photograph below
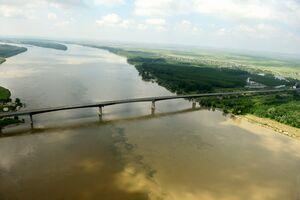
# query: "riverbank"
x,y
2,60
273,125
6,104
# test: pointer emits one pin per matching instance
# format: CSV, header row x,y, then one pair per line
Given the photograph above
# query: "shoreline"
x,y
278,127
2,60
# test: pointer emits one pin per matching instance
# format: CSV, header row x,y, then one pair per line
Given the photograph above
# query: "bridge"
x,y
101,105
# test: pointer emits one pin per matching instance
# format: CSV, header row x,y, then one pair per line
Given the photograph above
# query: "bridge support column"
x,y
153,108
100,113
31,121
194,103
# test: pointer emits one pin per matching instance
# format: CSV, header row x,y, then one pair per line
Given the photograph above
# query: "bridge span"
x,y
102,104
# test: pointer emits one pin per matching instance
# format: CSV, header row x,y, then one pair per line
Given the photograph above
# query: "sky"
x,y
259,25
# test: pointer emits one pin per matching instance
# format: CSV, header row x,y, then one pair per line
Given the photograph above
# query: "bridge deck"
x,y
148,99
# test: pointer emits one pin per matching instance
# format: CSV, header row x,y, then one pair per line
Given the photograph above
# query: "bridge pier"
x,y
100,112
153,108
31,121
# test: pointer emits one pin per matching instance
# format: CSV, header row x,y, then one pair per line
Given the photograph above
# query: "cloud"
x,y
142,27
258,32
273,10
160,7
114,20
67,4
9,11
108,2
157,23
52,16
63,23
187,26
109,20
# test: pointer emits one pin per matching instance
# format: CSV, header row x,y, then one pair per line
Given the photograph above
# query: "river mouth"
x,y
178,153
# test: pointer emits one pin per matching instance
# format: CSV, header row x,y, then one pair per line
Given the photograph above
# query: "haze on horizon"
x,y
260,25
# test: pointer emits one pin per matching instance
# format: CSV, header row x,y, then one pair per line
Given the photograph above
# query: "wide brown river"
x,y
176,154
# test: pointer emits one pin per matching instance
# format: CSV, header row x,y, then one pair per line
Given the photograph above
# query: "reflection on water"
x,y
131,155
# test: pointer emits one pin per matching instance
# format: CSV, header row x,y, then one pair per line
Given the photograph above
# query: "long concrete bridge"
x,y
100,105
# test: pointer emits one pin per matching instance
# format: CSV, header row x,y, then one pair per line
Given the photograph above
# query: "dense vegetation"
x,y
283,107
10,50
184,78
45,44
4,94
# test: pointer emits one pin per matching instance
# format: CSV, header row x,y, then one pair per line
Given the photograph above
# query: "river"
x,y
178,153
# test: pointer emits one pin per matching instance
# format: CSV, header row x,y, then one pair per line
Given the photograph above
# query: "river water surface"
x,y
178,153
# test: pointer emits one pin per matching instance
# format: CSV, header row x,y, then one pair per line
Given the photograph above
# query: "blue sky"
x,y
261,25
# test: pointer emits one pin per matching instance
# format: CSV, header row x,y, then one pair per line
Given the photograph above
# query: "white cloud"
x,y
9,11
66,4
142,27
286,11
160,7
108,2
109,20
52,16
63,23
236,9
187,26
259,31
156,21
114,20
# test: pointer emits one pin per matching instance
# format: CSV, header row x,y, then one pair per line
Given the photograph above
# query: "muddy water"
x,y
178,153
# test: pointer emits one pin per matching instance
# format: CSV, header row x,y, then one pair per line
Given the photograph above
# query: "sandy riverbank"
x,y
272,124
